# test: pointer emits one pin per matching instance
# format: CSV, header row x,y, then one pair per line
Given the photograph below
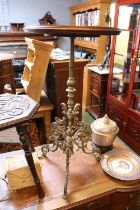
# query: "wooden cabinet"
x,y
115,201
97,204
123,100
96,91
7,81
126,201
19,36
56,83
91,13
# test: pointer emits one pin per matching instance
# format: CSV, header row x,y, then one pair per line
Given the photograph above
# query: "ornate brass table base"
x,y
69,133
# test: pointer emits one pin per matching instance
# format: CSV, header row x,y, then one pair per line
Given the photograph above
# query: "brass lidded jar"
x,y
104,131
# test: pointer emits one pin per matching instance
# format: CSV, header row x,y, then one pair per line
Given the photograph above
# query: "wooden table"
x,y
19,36
89,187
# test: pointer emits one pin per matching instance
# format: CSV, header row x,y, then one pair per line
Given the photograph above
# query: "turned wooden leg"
x,y
13,88
25,139
47,123
1,88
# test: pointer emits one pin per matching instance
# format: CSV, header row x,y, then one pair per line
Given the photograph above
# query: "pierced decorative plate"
x,y
121,164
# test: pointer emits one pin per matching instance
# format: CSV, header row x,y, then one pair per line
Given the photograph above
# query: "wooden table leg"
x,y
47,123
1,88
25,139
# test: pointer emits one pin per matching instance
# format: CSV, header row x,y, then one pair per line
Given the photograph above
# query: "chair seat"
x,y
15,109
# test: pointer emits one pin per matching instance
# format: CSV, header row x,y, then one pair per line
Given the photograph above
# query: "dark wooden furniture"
x,y
47,19
89,187
6,73
96,91
91,13
56,84
73,31
17,110
17,26
14,43
123,100
20,36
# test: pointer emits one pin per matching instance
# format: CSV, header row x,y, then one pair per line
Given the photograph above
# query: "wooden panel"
x,y
129,125
5,67
122,104
86,44
125,201
133,133
95,86
99,84
99,204
35,68
6,73
20,36
88,5
97,90
56,83
116,115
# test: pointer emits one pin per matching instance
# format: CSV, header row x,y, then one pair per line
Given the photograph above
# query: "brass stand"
x,y
69,133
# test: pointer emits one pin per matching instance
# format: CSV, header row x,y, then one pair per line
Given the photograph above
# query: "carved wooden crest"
x,y
47,19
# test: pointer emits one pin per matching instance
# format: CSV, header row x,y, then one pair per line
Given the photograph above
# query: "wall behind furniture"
x,y
30,11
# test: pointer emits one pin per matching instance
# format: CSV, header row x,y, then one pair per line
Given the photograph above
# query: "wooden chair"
x,y
33,78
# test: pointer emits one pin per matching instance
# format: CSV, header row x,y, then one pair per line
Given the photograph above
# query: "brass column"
x,y
69,133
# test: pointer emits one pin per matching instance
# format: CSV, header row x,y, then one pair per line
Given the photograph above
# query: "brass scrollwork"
x,y
69,133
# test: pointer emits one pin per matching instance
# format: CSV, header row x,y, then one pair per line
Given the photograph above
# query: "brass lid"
x,y
104,126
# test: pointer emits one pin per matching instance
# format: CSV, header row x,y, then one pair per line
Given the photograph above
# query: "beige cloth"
x,y
19,174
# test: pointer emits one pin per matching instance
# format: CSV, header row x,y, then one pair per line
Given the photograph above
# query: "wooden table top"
x,y
87,181
77,61
74,31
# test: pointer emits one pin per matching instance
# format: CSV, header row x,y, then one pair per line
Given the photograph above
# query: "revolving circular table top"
x,y
74,31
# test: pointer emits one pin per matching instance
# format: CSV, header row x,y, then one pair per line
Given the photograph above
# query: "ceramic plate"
x,y
121,164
